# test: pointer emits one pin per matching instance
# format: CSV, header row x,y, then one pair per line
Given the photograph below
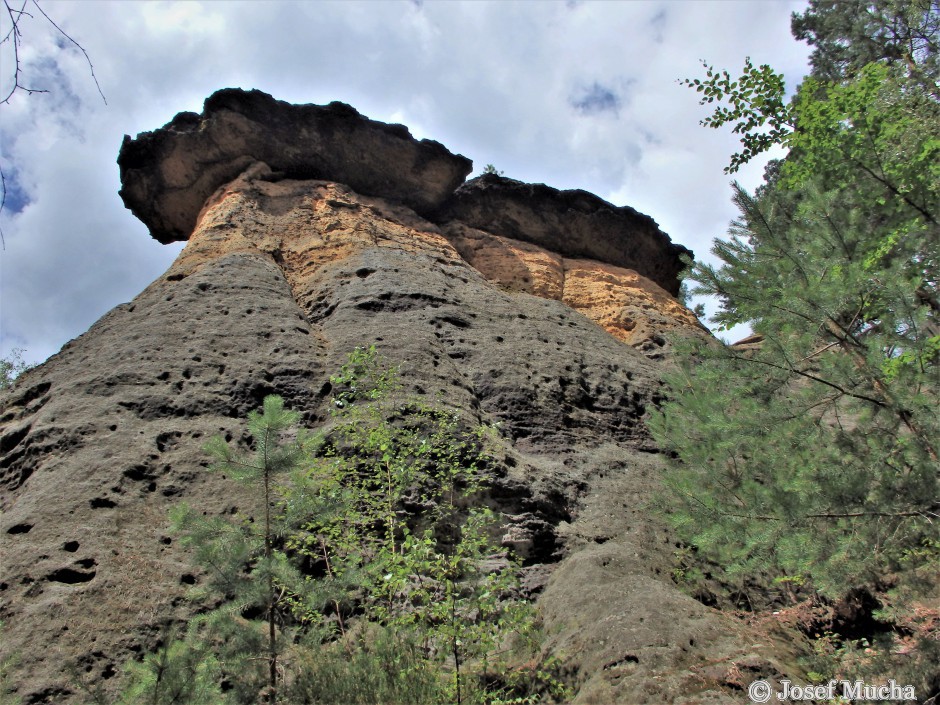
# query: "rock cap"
x,y
167,174
572,223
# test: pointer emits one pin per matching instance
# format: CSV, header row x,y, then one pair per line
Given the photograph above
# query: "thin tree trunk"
x,y
454,640
272,642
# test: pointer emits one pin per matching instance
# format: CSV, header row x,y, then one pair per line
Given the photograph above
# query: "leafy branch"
x,y
755,104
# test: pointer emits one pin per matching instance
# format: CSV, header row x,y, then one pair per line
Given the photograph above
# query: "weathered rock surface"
x,y
629,306
280,280
166,175
104,437
574,224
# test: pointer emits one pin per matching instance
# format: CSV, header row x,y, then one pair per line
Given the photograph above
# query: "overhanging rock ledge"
x,y
168,174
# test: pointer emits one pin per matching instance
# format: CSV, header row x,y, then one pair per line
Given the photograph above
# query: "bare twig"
x,y
3,200
15,37
91,67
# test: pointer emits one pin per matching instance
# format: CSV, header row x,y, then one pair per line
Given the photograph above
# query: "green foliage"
x,y
244,565
490,169
830,657
685,298
810,461
876,135
374,668
374,577
804,455
400,477
12,367
846,36
867,114
815,455
685,571
835,658
754,100
177,673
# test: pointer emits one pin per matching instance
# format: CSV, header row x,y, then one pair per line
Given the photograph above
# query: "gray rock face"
x,y
277,285
570,223
103,438
168,174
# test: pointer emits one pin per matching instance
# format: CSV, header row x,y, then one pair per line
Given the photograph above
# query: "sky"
x,y
571,94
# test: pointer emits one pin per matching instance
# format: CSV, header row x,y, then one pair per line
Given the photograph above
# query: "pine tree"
x,y
178,673
847,35
815,455
244,561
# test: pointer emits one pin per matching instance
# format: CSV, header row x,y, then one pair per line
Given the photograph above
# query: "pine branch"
x,y
888,399
895,191
807,375
829,515
894,515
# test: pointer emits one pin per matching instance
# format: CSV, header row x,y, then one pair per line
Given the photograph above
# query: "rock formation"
x,y
311,231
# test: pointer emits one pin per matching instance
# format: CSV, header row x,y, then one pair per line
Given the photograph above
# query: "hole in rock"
x,y
628,658
70,576
167,440
34,393
13,439
138,473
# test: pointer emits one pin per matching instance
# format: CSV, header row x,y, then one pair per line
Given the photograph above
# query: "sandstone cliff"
x,y
311,231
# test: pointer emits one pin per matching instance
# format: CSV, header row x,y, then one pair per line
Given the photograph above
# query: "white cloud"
x,y
495,81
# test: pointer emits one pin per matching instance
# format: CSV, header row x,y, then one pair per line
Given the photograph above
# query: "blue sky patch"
x,y
16,198
596,99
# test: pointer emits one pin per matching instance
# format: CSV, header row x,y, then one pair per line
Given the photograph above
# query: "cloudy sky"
x,y
574,95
